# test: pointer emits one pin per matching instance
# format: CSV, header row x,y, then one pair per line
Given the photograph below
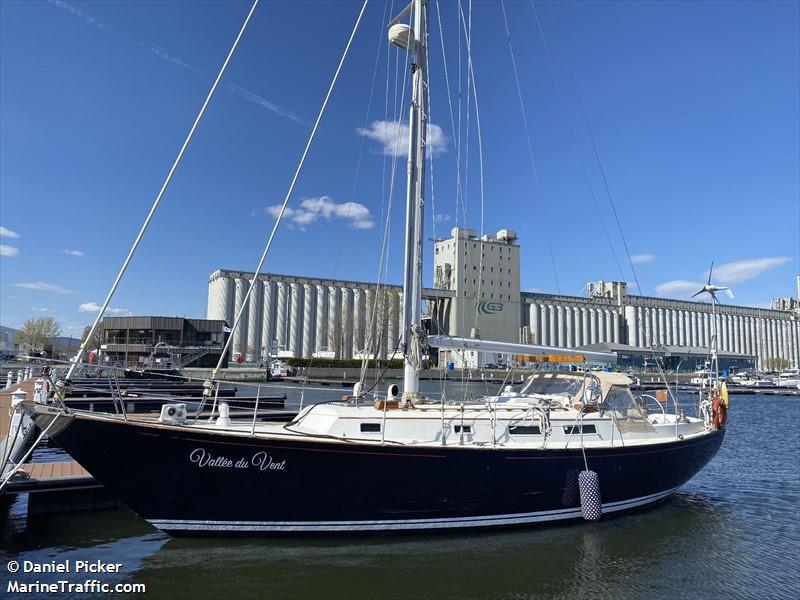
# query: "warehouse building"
x,y
477,293
671,358
162,342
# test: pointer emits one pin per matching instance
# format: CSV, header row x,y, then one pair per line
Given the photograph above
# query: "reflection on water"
x,y
732,532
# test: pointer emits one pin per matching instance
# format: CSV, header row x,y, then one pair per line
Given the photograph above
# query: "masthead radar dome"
x,y
401,36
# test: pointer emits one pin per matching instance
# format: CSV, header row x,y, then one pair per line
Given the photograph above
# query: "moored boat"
x,y
563,446
511,460
788,378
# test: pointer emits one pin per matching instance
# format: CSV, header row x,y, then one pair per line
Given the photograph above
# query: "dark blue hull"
x,y
204,482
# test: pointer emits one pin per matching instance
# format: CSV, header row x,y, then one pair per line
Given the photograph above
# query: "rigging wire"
x,y
530,143
355,177
384,190
581,160
371,317
289,192
608,192
459,189
385,245
594,148
428,120
456,138
163,189
363,138
471,75
467,36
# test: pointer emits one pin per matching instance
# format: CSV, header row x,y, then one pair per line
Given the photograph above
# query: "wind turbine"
x,y
712,290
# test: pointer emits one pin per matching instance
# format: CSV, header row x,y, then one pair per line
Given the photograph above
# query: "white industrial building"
x,y
611,315
476,293
305,317
483,275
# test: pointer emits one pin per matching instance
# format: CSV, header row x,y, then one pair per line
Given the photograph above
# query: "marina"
x,y
453,458
736,507
420,421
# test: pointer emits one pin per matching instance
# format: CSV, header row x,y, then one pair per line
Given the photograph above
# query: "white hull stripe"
x,y
388,524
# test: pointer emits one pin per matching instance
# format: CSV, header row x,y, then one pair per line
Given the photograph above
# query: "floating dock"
x,y
60,487
52,487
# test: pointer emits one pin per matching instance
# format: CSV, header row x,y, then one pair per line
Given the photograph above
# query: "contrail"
x,y
261,101
163,54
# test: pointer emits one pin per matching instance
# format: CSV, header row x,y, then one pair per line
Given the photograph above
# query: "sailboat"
x,y
566,445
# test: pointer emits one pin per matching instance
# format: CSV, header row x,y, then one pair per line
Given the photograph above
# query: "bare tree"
x,y
97,338
36,334
778,364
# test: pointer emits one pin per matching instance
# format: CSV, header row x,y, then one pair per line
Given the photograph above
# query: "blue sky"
x,y
693,107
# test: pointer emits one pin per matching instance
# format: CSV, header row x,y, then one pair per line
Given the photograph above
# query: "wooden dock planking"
x,y
53,487
61,487
38,472
5,402
55,470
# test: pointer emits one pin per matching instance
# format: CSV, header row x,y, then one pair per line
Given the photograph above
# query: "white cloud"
x,y
8,251
74,252
93,307
311,210
534,290
7,233
742,270
678,288
42,309
639,259
441,218
393,136
41,286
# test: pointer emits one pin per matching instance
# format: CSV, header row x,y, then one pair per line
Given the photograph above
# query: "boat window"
x,y
576,429
370,428
556,383
524,430
622,403
463,428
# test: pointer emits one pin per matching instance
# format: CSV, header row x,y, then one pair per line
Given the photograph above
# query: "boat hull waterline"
x,y
201,482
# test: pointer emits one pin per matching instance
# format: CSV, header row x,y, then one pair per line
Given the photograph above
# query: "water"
x,y
732,532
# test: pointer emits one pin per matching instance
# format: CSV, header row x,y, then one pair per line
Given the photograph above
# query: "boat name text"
x,y
260,460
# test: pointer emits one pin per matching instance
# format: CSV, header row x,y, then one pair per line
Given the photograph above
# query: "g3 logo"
x,y
489,308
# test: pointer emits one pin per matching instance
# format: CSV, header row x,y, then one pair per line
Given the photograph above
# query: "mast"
x,y
415,41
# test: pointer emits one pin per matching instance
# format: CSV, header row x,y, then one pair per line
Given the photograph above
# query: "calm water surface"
x,y
732,532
